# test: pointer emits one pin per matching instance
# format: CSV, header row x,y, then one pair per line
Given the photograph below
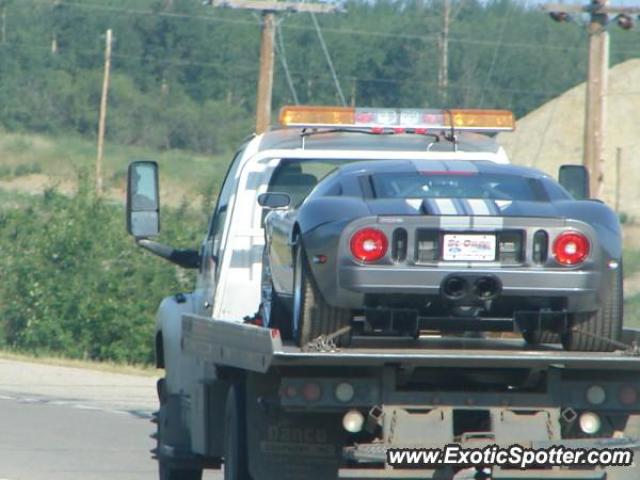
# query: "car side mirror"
x,y
143,200
274,200
575,179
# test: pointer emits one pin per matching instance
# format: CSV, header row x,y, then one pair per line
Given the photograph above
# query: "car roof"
x,y
413,166
326,139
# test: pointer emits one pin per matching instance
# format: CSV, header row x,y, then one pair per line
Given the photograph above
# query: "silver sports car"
x,y
396,247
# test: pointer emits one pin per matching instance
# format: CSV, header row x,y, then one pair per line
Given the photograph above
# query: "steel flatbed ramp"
x,y
258,349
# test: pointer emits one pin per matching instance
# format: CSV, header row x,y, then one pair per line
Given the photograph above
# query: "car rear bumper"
x,y
580,288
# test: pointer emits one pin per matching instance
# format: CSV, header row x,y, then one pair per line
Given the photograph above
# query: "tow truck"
x,y
236,396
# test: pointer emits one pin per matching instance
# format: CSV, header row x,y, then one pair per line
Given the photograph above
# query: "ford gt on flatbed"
x,y
393,247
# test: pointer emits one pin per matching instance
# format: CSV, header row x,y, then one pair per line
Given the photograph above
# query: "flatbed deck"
x,y
258,349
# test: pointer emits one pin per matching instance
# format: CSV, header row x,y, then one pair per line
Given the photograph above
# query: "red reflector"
x,y
369,245
628,395
311,392
290,391
571,248
378,130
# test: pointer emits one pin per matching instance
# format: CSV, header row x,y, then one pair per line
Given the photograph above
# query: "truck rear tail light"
x,y
628,395
596,395
540,247
344,392
311,392
290,391
571,248
369,245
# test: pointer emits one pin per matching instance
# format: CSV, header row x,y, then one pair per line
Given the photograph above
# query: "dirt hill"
x,y
552,135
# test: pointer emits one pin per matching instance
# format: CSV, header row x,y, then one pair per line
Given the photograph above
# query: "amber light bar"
x,y
397,119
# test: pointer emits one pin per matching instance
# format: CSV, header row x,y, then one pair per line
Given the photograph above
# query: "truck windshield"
x,y
457,185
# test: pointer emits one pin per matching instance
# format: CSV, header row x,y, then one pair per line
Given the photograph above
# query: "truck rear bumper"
x,y
498,474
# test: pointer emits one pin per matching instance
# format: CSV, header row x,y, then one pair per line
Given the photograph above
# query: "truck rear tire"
x,y
593,332
169,472
312,315
167,469
235,436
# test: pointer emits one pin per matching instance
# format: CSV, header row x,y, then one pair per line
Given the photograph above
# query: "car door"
x,y
212,246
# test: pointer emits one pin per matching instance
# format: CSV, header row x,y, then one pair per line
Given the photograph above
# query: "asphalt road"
x,y
60,423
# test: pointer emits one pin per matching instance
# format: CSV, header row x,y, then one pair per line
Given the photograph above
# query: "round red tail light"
x,y
369,245
571,248
628,395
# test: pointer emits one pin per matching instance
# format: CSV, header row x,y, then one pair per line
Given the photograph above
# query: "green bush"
x,y
74,283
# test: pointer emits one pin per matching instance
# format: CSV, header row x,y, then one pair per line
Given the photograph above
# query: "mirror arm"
x,y
184,258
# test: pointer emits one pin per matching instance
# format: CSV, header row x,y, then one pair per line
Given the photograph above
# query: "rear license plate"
x,y
469,247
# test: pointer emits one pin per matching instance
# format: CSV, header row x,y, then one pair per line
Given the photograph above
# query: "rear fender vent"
x,y
399,245
540,247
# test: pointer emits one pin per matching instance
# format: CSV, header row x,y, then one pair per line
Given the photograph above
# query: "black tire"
x,y
279,316
600,326
168,470
275,313
235,436
312,316
536,337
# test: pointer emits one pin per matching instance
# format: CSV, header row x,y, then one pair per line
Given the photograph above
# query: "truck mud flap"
x,y
288,445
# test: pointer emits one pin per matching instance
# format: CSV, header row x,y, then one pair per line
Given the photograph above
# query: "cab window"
x,y
222,205
297,177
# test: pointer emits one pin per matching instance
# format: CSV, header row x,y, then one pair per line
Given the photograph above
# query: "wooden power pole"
x,y
103,110
268,10
596,93
443,43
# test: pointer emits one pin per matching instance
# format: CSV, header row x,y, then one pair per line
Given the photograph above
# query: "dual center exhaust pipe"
x,y
460,288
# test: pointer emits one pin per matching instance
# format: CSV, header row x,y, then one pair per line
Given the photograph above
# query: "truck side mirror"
x,y
143,202
575,179
274,200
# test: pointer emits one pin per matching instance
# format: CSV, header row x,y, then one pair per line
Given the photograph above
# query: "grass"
x,y
60,361
632,311
183,174
631,261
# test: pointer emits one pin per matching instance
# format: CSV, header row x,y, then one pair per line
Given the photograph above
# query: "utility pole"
x,y
268,10
596,92
443,43
103,110
3,29
265,79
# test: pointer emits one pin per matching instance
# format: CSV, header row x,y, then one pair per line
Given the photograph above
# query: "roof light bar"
x,y
397,119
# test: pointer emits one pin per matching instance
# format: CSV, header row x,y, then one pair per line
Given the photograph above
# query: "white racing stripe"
x,y
478,206
415,203
446,206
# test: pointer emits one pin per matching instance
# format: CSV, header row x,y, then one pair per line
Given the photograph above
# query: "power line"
x,y
328,57
505,22
279,45
339,31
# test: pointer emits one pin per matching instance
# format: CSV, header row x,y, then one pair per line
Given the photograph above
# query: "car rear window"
x,y
457,185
